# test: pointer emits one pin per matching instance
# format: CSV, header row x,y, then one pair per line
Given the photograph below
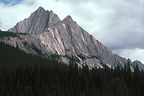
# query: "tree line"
x,y
23,74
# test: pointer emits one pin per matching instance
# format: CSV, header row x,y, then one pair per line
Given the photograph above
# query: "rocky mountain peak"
x,y
37,22
68,19
70,23
51,12
40,9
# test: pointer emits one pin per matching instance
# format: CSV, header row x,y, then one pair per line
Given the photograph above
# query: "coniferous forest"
x,y
22,74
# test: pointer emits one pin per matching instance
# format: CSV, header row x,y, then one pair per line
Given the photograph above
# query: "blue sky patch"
x,y
12,2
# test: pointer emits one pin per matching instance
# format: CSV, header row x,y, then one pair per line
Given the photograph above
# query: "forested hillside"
x,y
23,74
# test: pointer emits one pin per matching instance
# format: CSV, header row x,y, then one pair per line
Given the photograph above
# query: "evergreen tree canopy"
x,y
23,74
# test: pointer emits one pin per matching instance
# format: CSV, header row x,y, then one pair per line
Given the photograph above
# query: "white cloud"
x,y
133,54
119,24
9,15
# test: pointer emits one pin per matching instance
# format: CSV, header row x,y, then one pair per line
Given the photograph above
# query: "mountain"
x,y
45,34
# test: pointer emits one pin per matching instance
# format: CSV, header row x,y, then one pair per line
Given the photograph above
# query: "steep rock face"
x,y
140,65
37,22
47,34
67,38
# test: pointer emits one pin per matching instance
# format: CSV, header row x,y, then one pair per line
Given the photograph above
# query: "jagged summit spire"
x,y
37,22
40,8
68,18
51,13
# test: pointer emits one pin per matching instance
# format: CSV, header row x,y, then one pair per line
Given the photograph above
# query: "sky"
x,y
118,24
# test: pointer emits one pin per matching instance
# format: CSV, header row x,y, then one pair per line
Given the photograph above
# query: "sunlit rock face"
x,y
47,34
